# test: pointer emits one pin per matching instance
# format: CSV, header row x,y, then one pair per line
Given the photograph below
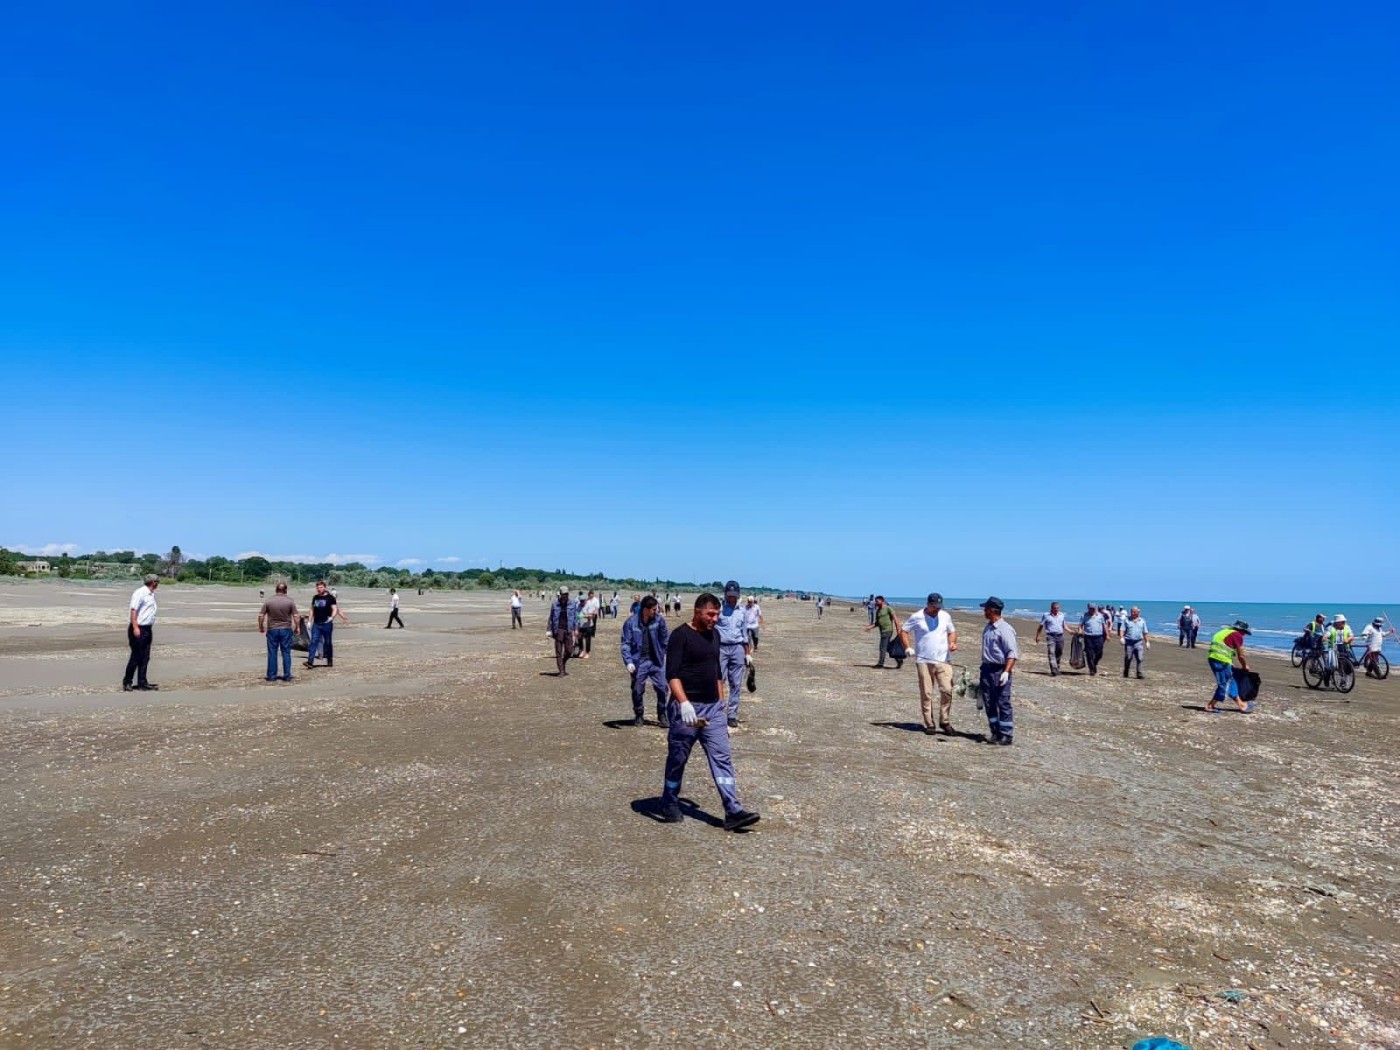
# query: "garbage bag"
x,y
1076,652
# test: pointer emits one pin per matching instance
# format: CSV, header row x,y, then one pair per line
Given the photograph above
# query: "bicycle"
x,y
1303,648
1317,673
1382,665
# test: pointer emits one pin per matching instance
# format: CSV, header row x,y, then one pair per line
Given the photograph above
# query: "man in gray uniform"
x,y
1135,640
644,640
733,648
1052,625
697,707
999,654
1093,627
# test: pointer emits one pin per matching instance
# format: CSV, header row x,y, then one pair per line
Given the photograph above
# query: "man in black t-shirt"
x,y
323,612
698,712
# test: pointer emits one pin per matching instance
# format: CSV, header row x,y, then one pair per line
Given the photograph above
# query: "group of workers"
x,y
1321,637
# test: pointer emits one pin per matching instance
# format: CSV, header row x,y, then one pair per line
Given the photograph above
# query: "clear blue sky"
x,y
853,297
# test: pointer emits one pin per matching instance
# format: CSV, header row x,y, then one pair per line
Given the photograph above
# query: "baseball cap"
x,y
993,603
731,588
935,597
563,590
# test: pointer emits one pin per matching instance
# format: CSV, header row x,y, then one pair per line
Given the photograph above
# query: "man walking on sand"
x,y
588,623
275,621
698,711
394,609
734,656
1136,640
324,610
1093,627
753,620
644,640
563,622
515,610
999,654
883,620
934,639
1052,625
140,633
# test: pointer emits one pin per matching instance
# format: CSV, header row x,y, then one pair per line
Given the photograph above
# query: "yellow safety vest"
x,y
1218,649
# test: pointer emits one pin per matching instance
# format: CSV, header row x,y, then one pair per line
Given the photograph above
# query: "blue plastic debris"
x,y
1158,1042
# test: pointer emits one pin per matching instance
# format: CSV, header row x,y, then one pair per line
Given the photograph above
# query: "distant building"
x,y
34,566
110,568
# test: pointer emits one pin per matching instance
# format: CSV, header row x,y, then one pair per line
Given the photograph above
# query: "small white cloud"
x,y
408,563
48,550
452,560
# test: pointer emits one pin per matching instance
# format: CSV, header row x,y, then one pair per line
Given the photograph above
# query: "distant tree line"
x,y
257,569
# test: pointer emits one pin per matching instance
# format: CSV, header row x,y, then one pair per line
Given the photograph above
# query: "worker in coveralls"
x,y
697,712
999,654
734,654
644,639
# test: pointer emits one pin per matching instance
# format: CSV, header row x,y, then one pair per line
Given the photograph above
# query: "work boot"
x,y
639,721
742,819
733,723
671,814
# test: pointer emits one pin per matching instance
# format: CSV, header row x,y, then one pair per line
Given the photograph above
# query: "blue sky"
x,y
854,297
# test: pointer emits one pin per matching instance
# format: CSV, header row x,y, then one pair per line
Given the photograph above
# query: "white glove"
x,y
631,668
1003,678
748,660
688,713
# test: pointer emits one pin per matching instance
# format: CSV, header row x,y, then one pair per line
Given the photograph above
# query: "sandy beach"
x,y
438,843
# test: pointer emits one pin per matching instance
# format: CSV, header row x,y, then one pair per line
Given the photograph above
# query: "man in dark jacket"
x,y
563,624
644,639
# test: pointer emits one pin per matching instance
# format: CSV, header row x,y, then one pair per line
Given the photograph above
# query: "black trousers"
x,y
140,655
394,617
1093,651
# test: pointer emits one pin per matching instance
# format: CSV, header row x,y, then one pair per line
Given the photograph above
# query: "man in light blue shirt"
x,y
1092,627
734,657
1135,640
999,655
1052,625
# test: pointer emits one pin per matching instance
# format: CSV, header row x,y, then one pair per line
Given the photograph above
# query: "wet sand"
x,y
438,843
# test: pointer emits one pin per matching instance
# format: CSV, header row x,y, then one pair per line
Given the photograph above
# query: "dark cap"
x,y
935,598
993,603
731,588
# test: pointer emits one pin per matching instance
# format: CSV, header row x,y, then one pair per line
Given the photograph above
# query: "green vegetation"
x,y
257,569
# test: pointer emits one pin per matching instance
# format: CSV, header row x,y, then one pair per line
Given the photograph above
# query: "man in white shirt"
x,y
140,629
934,637
588,622
515,609
753,619
1374,637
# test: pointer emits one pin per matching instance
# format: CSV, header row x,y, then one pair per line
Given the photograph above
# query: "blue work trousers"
x,y
996,699
1224,681
731,670
279,639
321,642
649,672
714,739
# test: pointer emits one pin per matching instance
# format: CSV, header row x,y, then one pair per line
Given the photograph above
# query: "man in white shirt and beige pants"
x,y
934,638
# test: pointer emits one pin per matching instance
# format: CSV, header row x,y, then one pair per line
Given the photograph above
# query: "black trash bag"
x,y
1247,682
1076,652
301,638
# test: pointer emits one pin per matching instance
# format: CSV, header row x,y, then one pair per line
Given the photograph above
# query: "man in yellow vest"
x,y
1225,645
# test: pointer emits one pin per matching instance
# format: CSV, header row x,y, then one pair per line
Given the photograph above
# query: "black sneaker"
x,y
671,814
639,721
733,723
992,738
127,687
737,821
149,687
1004,741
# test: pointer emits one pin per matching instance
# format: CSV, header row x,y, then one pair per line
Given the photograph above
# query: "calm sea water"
x,y
1274,626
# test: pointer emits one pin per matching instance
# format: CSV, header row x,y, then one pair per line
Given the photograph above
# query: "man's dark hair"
x,y
320,582
281,588
879,597
649,602
707,601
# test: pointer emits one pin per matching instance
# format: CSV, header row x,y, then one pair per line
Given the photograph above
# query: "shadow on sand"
x,y
651,809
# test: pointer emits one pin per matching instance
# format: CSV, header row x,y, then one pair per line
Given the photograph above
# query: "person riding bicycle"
x,y
1374,637
1338,637
1314,633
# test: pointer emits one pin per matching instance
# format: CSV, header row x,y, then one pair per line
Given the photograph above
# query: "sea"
x,y
1272,625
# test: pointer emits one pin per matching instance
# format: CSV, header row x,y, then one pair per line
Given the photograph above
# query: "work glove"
x,y
1003,678
748,659
688,713
631,668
